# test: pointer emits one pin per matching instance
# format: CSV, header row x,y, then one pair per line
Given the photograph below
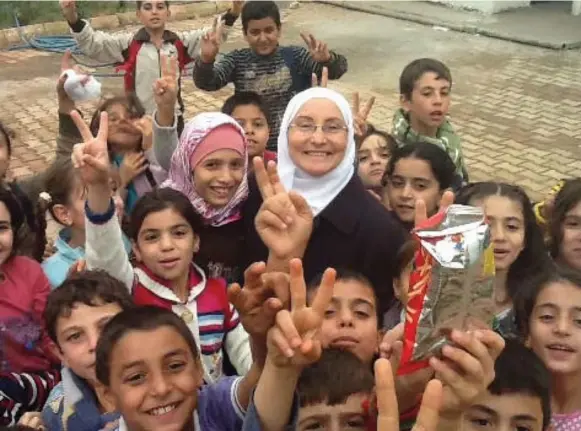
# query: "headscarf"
x,y
317,191
180,172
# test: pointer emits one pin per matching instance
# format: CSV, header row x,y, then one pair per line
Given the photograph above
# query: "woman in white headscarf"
x,y
316,158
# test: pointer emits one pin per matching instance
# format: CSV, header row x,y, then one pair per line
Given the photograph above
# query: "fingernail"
x,y
289,353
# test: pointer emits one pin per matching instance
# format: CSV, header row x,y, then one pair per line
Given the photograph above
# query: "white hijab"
x,y
317,191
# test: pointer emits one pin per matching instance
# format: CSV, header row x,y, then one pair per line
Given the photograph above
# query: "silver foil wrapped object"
x,y
452,282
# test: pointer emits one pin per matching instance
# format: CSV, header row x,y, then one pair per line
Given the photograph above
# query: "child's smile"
x,y
155,380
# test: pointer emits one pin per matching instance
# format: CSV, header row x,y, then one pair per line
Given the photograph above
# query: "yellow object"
x,y
488,268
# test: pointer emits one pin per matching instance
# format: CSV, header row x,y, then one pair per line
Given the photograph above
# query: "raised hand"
x,y
79,266
91,158
324,78
67,63
387,406
69,10
421,213
264,294
165,89
133,165
467,367
285,220
210,44
237,7
360,114
318,50
145,127
294,340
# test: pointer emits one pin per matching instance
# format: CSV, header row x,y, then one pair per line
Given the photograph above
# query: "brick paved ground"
x,y
518,109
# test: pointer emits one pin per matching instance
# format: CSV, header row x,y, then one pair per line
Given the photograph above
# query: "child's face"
x,y
351,320
4,156
412,179
6,233
78,333
373,157
507,228
122,132
153,14
73,214
320,152
166,244
154,380
555,327
507,412
429,103
570,249
254,123
402,283
262,35
217,177
347,416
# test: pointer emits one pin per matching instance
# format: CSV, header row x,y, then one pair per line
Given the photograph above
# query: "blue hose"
x,y
59,45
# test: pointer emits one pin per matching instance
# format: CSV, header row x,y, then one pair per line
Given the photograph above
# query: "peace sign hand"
x,y
264,294
324,78
165,89
360,114
318,50
294,340
388,412
91,158
210,44
284,221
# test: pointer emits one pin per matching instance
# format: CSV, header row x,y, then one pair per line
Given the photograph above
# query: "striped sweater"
x,y
207,312
269,76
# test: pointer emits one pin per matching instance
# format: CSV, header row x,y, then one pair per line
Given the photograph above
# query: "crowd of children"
x,y
249,269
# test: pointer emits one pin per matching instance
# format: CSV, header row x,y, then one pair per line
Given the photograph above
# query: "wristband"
x,y
100,218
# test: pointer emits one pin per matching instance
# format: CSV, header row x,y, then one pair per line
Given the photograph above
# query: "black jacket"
x,y
354,232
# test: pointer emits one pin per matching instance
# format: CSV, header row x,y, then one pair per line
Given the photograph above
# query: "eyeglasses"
x,y
327,129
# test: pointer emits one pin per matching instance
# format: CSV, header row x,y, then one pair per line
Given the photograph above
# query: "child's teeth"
x,y
162,410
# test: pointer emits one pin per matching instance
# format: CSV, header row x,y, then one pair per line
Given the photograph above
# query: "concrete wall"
x,y
486,6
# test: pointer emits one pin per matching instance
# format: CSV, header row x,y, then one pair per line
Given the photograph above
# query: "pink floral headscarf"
x,y
180,172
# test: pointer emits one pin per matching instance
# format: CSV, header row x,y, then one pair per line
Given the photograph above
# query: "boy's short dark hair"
x,y
139,3
147,318
92,288
416,69
335,377
255,10
520,371
242,98
345,275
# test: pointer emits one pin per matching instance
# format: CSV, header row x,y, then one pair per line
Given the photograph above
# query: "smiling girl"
x,y
28,369
130,144
551,320
373,154
210,167
519,251
164,232
565,225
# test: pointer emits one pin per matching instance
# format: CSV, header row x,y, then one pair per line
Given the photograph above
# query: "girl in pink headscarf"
x,y
210,167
